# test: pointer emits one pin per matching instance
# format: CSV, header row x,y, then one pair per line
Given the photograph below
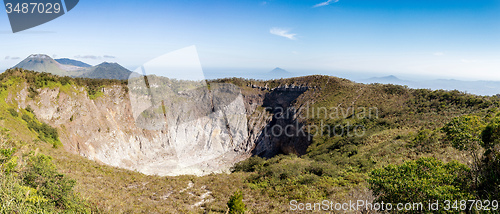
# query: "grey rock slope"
x,y
198,132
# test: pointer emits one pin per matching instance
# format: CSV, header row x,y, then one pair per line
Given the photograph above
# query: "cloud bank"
x,y
283,33
326,3
94,57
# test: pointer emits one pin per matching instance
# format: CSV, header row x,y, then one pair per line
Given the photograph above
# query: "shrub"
x,y
423,180
26,118
491,135
41,174
235,203
464,132
13,112
18,198
45,132
29,109
249,165
489,185
425,140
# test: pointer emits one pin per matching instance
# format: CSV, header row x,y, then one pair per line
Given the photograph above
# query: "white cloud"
x,y
326,3
94,57
283,33
438,54
12,58
87,57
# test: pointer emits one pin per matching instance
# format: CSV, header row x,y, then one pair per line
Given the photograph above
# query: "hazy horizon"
x,y
445,39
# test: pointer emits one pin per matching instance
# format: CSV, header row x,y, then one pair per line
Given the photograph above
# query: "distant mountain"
x,y
73,68
391,79
279,70
107,70
44,63
279,73
66,61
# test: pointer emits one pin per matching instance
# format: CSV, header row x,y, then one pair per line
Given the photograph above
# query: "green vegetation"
x,y
29,181
414,128
13,112
416,145
45,132
422,181
41,174
37,80
34,186
235,203
464,132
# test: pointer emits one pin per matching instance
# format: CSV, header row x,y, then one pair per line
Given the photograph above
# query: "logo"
x,y
25,14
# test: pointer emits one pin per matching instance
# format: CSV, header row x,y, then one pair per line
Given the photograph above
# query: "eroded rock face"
x,y
207,132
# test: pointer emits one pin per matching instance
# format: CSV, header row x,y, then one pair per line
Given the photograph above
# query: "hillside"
x,y
66,61
44,63
107,70
349,131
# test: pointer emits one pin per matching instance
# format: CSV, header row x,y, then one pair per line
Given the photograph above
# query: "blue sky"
x,y
427,38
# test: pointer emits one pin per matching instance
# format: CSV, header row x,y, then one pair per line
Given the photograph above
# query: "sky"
x,y
452,39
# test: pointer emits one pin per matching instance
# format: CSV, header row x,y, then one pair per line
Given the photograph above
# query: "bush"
x,y
491,135
489,185
249,165
235,203
18,198
425,140
45,132
29,109
464,132
13,112
423,180
41,174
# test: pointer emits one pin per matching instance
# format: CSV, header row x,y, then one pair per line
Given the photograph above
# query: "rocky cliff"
x,y
187,130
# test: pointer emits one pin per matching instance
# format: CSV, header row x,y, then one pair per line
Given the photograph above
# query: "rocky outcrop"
x,y
284,134
195,131
285,87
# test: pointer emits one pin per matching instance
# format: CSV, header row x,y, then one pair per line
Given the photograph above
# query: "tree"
x,y
464,132
235,203
491,135
42,175
421,181
489,185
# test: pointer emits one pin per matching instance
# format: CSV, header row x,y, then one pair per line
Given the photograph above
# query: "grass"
x,y
334,168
